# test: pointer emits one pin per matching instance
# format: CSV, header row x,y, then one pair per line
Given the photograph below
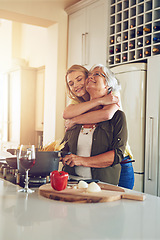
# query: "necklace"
x,y
86,130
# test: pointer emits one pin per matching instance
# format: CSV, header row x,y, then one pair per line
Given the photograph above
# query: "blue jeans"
x,y
127,175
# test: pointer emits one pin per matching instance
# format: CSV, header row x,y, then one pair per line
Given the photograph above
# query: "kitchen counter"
x,y
31,216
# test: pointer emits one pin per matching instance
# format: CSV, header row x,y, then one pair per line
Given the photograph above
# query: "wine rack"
x,y
134,30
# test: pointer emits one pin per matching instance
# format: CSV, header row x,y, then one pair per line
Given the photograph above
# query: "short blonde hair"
x,y
75,68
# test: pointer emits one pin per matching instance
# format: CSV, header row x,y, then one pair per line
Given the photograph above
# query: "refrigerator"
x,y
132,77
152,143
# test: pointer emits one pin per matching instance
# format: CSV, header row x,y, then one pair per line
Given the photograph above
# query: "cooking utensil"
x,y
46,162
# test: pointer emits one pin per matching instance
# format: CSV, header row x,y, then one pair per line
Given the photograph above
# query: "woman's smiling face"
x,y
76,82
96,83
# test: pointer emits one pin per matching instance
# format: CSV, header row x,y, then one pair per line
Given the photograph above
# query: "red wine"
x,y
26,163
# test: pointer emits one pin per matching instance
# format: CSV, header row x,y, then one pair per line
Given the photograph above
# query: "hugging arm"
x,y
91,117
74,110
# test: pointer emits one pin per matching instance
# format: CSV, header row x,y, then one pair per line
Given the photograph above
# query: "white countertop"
x,y
33,217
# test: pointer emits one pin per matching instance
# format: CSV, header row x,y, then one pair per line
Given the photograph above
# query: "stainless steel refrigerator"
x,y
132,77
152,144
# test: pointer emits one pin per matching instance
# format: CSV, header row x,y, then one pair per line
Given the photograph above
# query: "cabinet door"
x,y
87,41
96,37
40,99
152,152
76,38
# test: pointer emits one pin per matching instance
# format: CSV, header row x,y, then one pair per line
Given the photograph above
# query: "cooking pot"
x,y
12,159
45,163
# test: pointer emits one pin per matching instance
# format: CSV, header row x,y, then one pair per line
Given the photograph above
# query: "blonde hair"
x,y
75,68
111,80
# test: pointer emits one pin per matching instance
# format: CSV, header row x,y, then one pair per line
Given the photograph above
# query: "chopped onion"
x,y
82,184
93,187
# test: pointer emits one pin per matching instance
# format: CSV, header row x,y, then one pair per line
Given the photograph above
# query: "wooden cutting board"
x,y
82,196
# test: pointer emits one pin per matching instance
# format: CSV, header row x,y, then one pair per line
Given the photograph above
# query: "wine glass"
x,y
26,160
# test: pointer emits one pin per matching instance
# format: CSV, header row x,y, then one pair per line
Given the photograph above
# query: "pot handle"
x,y
63,153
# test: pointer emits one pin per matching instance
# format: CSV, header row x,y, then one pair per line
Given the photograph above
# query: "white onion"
x,y
82,184
93,187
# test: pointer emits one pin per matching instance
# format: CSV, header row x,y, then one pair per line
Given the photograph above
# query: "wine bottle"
x,y
117,60
148,42
139,44
155,50
118,50
147,29
119,39
112,41
131,45
139,33
111,51
125,37
155,39
124,58
132,26
156,28
147,53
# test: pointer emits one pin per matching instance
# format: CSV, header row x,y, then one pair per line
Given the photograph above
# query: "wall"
x,y
5,44
54,19
34,43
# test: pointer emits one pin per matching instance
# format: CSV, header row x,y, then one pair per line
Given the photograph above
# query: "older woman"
x,y
97,149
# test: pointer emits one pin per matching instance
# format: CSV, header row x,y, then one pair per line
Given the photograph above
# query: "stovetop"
x,y
33,181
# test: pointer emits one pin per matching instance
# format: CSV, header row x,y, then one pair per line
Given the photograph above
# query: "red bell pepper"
x,y
59,180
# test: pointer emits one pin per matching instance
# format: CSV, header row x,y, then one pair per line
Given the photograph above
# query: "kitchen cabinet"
x,y
20,106
152,141
40,81
87,36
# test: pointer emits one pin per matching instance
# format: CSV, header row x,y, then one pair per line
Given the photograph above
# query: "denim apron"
x,y
127,173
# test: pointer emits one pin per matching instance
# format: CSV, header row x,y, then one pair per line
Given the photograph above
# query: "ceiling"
x,y
13,16
65,3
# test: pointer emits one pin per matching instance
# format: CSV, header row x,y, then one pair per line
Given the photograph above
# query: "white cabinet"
x,y
39,117
20,106
152,147
87,36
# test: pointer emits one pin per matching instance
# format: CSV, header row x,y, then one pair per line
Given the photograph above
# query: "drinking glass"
x,y
26,160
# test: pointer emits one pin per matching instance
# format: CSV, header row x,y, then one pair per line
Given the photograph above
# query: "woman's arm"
x,y
106,159
99,161
97,116
74,110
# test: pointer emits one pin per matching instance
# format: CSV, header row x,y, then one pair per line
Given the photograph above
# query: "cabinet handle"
x,y
150,147
83,49
86,48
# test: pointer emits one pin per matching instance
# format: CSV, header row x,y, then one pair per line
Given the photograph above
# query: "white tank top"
x,y
84,149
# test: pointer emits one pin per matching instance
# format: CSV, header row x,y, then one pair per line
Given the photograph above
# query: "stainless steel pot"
x,y
46,162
